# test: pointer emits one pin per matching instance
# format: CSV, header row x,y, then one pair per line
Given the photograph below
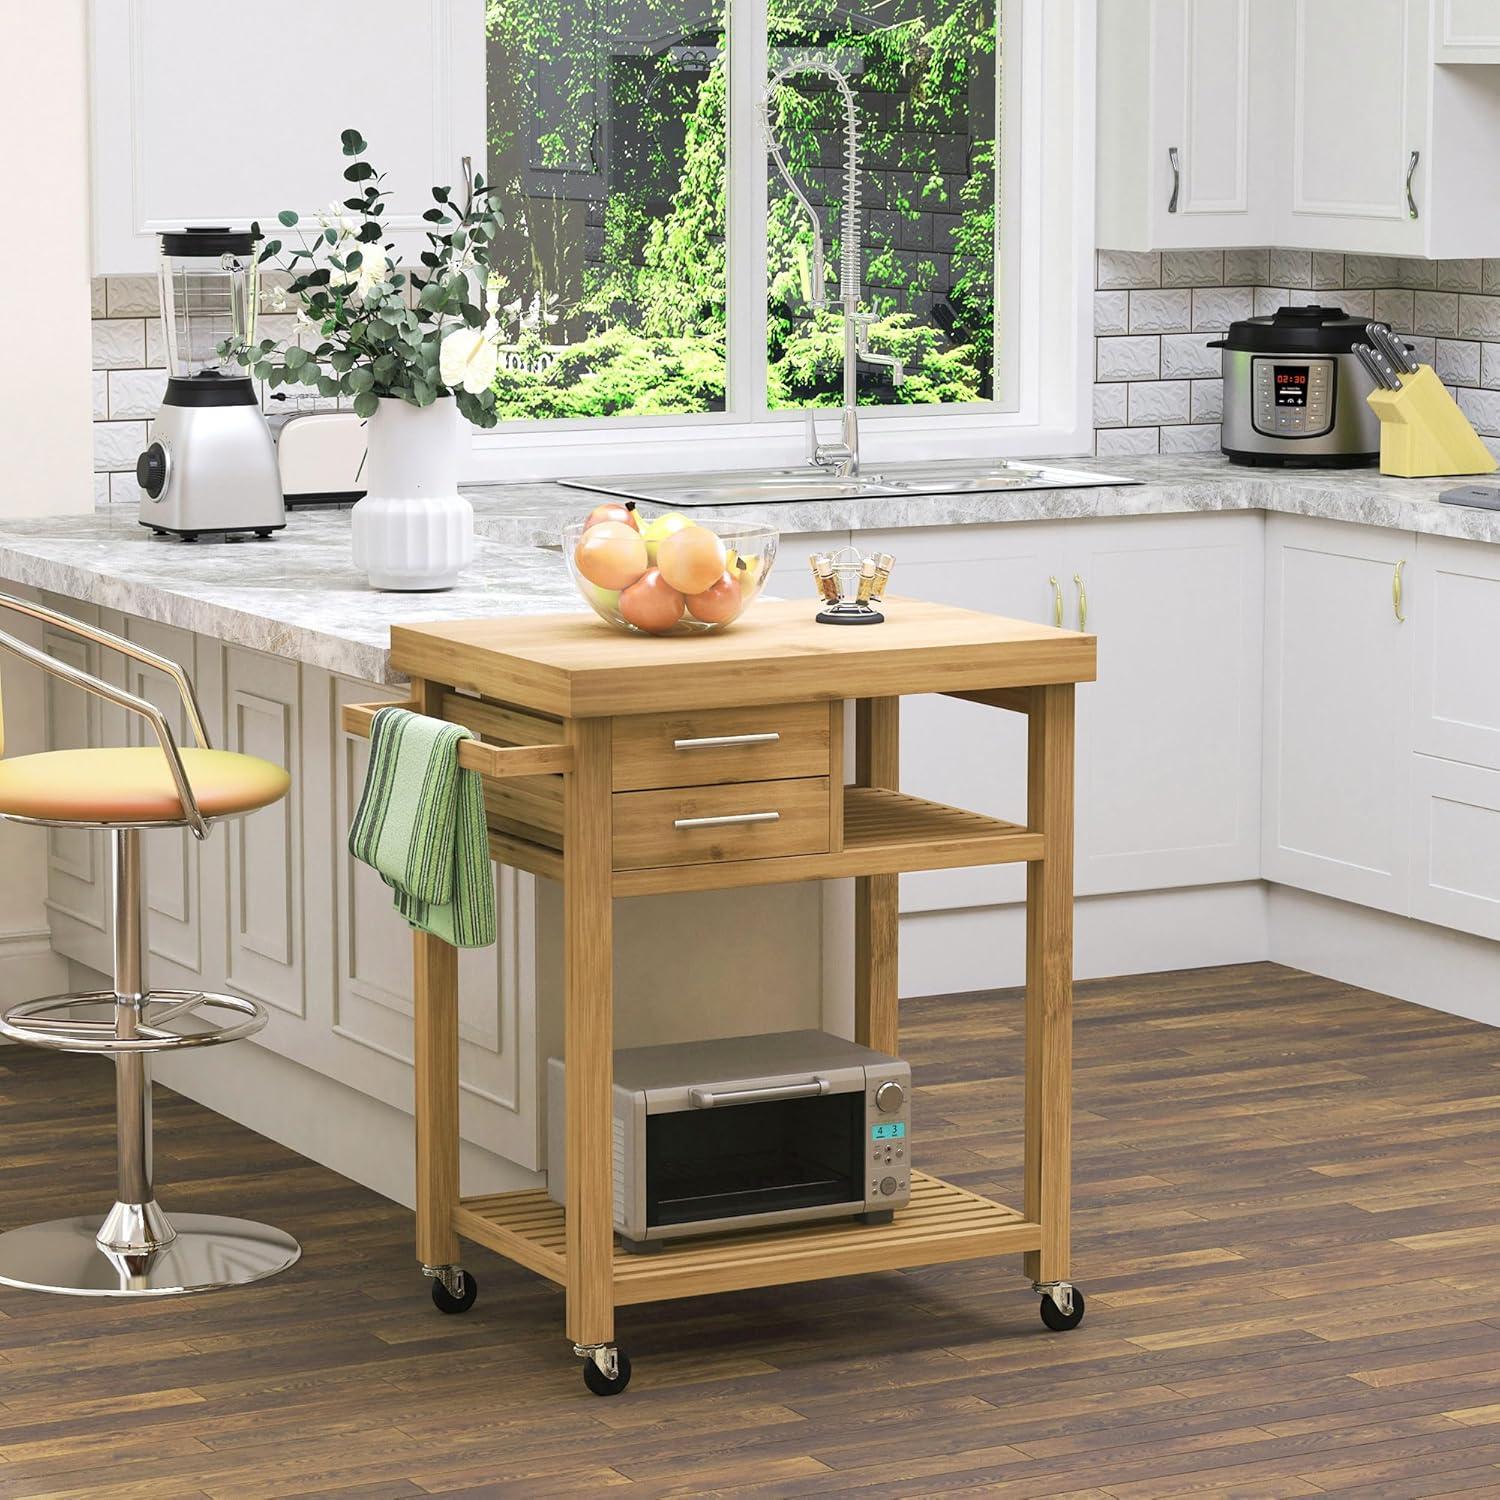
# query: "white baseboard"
x,y
363,1138
29,968
980,948
1432,966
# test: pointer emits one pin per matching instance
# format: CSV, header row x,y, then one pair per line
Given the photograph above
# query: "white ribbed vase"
x,y
413,530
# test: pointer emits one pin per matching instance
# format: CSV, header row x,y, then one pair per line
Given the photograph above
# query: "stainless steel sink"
x,y
770,486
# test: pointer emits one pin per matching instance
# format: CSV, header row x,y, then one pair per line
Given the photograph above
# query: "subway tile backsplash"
x,y
1157,387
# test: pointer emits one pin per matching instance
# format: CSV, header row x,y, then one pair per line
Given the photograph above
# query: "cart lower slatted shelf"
x,y
942,1223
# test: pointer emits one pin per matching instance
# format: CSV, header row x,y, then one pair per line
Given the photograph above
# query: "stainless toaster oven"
x,y
747,1131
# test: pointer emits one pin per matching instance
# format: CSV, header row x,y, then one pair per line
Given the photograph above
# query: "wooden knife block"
x,y
1423,433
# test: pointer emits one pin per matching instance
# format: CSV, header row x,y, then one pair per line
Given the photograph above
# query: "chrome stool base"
x,y
207,1253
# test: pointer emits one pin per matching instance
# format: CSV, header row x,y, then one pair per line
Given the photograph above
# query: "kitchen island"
x,y
1292,751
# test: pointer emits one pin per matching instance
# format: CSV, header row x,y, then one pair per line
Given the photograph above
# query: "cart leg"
x,y
435,1070
877,746
1049,981
588,1044
435,1059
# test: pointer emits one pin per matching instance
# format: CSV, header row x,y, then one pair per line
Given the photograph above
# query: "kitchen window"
x,y
657,273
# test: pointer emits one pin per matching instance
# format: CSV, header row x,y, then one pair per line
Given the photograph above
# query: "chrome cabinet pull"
x,y
1411,171
1396,592
708,1099
718,741
1176,161
1083,603
1056,601
726,819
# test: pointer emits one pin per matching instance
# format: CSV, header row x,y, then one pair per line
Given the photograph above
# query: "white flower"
x,y
371,272
467,358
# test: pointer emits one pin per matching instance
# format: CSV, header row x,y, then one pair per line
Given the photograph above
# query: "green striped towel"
x,y
420,823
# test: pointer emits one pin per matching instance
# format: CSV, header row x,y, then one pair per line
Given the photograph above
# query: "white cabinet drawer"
x,y
1455,826
1453,602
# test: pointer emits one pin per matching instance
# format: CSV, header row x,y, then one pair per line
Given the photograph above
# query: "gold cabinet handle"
x,y
1083,603
1396,592
1056,601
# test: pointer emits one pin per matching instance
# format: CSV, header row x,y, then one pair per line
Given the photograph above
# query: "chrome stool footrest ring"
x,y
33,1021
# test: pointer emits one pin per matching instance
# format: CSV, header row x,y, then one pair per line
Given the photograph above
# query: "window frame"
x,y
1046,375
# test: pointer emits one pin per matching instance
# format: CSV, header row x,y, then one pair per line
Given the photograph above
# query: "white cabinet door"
x,y
372,978
1338,666
963,753
1468,31
1358,121
1185,111
1168,790
263,909
1168,781
1455,593
205,113
1455,828
182,949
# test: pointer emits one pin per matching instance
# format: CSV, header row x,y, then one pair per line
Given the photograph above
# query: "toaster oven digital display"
x,y
1291,385
894,1132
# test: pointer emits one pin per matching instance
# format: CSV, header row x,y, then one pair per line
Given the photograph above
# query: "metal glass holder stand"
x,y
137,1251
854,579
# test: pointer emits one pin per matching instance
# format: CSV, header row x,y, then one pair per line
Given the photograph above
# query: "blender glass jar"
x,y
209,292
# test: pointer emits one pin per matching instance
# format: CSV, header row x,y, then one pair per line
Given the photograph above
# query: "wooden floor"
x,y
1287,1223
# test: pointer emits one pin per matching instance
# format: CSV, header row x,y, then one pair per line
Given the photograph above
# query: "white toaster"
x,y
320,457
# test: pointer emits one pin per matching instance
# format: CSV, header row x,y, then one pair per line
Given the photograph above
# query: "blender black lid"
x,y
208,241
1296,330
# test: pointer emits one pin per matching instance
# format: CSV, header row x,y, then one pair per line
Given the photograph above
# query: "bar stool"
x,y
137,1251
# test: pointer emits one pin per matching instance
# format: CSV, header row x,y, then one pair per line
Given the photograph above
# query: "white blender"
x,y
211,466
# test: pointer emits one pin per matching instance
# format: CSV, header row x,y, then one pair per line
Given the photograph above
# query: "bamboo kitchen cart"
x,y
628,765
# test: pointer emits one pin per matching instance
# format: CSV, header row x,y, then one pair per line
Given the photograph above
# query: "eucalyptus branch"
x,y
374,340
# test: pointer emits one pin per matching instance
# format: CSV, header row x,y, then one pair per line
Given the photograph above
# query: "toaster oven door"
x,y
784,1156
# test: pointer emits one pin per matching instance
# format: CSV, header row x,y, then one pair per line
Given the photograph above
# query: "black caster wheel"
x,y
600,1383
1056,1319
446,1302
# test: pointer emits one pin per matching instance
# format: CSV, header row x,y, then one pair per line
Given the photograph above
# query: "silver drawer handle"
x,y
718,741
1411,171
1176,162
726,819
813,1089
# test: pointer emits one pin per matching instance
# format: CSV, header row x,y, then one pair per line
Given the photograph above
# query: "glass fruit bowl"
x,y
667,575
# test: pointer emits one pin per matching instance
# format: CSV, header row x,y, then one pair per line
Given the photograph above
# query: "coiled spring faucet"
x,y
843,455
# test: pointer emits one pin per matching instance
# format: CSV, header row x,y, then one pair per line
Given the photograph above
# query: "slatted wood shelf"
x,y
885,833
942,1223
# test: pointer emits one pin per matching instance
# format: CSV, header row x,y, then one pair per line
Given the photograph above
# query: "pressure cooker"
x,y
1294,392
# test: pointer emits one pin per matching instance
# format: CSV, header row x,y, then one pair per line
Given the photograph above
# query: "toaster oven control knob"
x,y
889,1097
151,470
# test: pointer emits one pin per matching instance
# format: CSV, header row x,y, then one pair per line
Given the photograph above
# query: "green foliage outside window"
x,y
639,326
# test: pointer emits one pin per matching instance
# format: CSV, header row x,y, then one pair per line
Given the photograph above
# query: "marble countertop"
x,y
299,595
533,514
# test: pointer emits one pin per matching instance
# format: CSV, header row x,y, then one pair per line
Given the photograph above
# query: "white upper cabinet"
x,y
1386,147
1468,31
1358,121
206,113
1329,124
1184,104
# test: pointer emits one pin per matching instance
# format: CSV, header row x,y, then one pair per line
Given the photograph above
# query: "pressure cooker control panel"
x,y
1293,397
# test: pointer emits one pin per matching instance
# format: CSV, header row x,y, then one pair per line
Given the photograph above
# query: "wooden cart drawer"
x,y
706,825
721,744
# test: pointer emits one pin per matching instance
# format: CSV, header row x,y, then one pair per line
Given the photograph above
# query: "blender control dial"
x,y
151,470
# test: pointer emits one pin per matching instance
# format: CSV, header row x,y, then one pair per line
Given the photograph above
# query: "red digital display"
x,y
1291,384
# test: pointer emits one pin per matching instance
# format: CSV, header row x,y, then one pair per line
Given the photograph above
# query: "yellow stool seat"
x,y
131,785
